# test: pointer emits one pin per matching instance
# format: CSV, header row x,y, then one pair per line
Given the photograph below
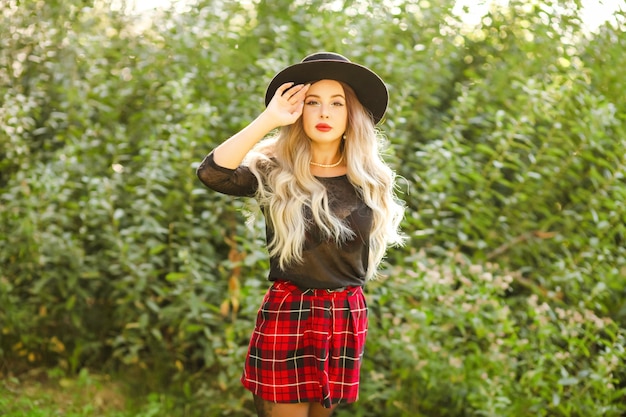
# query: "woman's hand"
x,y
287,104
284,109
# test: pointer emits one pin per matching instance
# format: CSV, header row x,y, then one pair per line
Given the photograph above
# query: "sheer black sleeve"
x,y
238,182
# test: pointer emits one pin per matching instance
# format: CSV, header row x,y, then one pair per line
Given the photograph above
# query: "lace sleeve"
x,y
238,182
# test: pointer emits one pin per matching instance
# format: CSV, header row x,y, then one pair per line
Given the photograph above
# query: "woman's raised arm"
x,y
284,109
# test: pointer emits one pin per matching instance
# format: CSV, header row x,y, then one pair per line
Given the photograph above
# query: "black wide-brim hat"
x,y
369,87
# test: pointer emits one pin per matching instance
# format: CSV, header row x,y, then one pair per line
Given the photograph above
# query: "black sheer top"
x,y
326,264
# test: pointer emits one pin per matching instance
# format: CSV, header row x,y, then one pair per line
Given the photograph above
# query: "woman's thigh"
x,y
318,410
271,409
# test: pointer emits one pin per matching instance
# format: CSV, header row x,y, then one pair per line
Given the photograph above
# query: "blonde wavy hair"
x,y
281,165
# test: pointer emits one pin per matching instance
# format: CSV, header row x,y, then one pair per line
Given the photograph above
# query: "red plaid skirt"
x,y
307,345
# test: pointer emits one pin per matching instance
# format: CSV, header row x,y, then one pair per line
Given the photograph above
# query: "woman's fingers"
x,y
281,90
299,95
292,93
288,102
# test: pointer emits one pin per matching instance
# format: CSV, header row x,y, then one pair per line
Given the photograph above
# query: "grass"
x,y
44,395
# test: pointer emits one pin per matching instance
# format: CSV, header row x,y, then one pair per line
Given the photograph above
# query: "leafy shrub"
x,y
460,343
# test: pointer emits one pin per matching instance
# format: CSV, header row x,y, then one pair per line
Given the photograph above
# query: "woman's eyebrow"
x,y
333,96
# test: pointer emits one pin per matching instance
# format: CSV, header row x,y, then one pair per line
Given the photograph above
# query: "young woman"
x,y
330,210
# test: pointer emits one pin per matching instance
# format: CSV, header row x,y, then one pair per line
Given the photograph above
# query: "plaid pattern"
x,y
307,345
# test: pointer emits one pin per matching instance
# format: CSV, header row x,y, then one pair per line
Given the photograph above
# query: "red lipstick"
x,y
323,127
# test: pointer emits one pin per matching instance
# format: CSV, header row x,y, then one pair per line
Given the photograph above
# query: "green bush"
x,y
458,345
508,137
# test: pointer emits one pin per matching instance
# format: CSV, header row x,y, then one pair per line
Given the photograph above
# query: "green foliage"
x,y
457,345
53,395
509,299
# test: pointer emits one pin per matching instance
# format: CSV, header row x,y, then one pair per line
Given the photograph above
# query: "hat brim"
x,y
369,87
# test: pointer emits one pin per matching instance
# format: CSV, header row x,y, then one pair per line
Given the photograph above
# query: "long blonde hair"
x,y
287,188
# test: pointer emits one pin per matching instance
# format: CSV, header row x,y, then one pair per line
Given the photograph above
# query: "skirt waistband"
x,y
290,286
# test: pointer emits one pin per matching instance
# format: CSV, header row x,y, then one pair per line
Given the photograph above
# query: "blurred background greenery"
x,y
508,132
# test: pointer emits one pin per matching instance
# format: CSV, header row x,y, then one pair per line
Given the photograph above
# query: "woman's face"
x,y
325,114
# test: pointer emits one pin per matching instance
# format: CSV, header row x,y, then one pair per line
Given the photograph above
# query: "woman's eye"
x,y
317,103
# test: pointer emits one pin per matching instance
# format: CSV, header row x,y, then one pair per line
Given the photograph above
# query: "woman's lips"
x,y
323,127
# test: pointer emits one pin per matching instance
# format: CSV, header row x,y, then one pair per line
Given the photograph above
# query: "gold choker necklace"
x,y
327,165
